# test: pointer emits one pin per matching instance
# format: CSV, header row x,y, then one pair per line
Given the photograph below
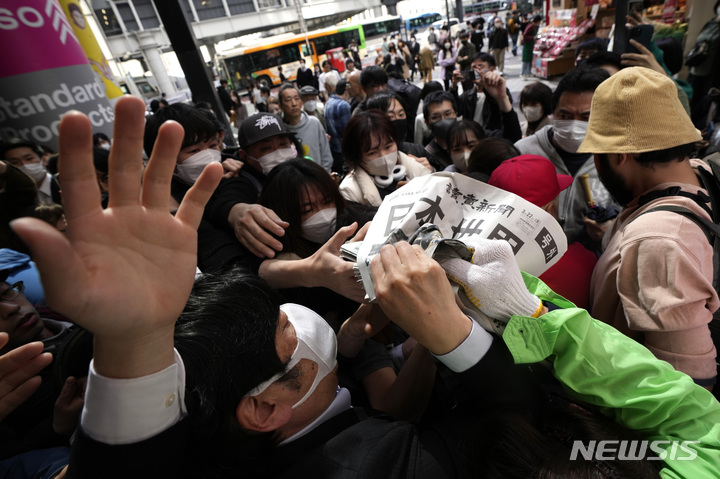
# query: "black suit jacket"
x,y
354,444
494,121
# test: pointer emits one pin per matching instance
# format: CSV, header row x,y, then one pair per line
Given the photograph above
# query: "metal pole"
x,y
303,27
185,46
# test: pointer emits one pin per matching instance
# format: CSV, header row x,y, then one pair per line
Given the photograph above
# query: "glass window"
x,y
108,21
127,16
146,12
290,53
240,6
264,4
207,9
304,48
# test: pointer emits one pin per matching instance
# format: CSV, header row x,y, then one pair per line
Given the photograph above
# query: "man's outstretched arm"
x,y
123,273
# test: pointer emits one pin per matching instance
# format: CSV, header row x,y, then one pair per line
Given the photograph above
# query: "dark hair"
x,y
489,153
197,127
203,105
341,87
326,62
13,143
49,213
485,57
359,132
672,53
430,87
52,163
154,105
509,445
381,101
437,97
223,82
226,337
457,132
264,89
373,76
579,80
602,58
284,87
537,92
99,136
680,153
284,192
592,44
214,119
537,18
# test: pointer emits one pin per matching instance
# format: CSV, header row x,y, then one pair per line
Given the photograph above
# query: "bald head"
x,y
354,88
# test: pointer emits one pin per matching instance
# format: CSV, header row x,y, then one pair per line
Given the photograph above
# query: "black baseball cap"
x,y
261,126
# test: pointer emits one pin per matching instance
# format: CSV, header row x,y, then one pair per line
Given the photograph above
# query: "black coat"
x,y
354,444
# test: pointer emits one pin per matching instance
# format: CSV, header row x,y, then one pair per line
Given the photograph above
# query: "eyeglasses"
x,y
12,292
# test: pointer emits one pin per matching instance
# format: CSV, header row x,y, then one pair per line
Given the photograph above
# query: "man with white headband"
x,y
261,396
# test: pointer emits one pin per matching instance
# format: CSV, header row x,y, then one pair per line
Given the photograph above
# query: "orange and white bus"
x,y
260,60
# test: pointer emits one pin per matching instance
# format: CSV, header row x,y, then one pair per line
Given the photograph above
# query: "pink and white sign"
x,y
44,73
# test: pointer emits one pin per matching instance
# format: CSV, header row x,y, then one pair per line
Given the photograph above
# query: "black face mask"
x,y
400,129
441,127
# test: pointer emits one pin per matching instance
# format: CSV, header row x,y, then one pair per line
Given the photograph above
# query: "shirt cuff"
x,y
125,411
469,352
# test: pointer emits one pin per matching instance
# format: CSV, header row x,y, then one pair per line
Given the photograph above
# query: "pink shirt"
x,y
654,283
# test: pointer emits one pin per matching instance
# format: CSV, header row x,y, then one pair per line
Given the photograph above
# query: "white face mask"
x,y
105,146
315,341
532,113
271,160
460,160
36,171
189,170
320,226
447,45
310,106
382,166
569,134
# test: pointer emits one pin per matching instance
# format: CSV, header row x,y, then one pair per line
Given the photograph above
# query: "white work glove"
x,y
493,282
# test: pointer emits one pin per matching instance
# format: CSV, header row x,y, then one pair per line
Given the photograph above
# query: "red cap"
x,y
530,177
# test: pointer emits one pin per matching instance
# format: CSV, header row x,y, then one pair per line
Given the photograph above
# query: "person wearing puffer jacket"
x,y
377,167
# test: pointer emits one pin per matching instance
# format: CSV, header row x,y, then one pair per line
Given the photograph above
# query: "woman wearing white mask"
x,y
307,197
535,105
377,167
462,139
447,57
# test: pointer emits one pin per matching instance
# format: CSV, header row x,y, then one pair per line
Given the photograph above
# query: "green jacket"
x,y
599,365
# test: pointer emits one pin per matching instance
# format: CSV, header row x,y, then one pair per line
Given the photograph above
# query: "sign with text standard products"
x,y
44,74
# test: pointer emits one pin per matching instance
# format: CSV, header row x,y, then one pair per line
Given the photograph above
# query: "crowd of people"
x,y
171,307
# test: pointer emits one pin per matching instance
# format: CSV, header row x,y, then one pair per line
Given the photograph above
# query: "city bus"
x,y
260,61
382,26
477,9
421,21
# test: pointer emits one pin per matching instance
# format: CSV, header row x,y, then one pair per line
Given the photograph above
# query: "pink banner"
x,y
36,35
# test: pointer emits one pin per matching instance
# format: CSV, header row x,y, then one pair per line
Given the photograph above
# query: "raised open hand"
x,y
123,273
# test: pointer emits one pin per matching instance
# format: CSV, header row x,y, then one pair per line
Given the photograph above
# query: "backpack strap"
x,y
710,229
712,232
